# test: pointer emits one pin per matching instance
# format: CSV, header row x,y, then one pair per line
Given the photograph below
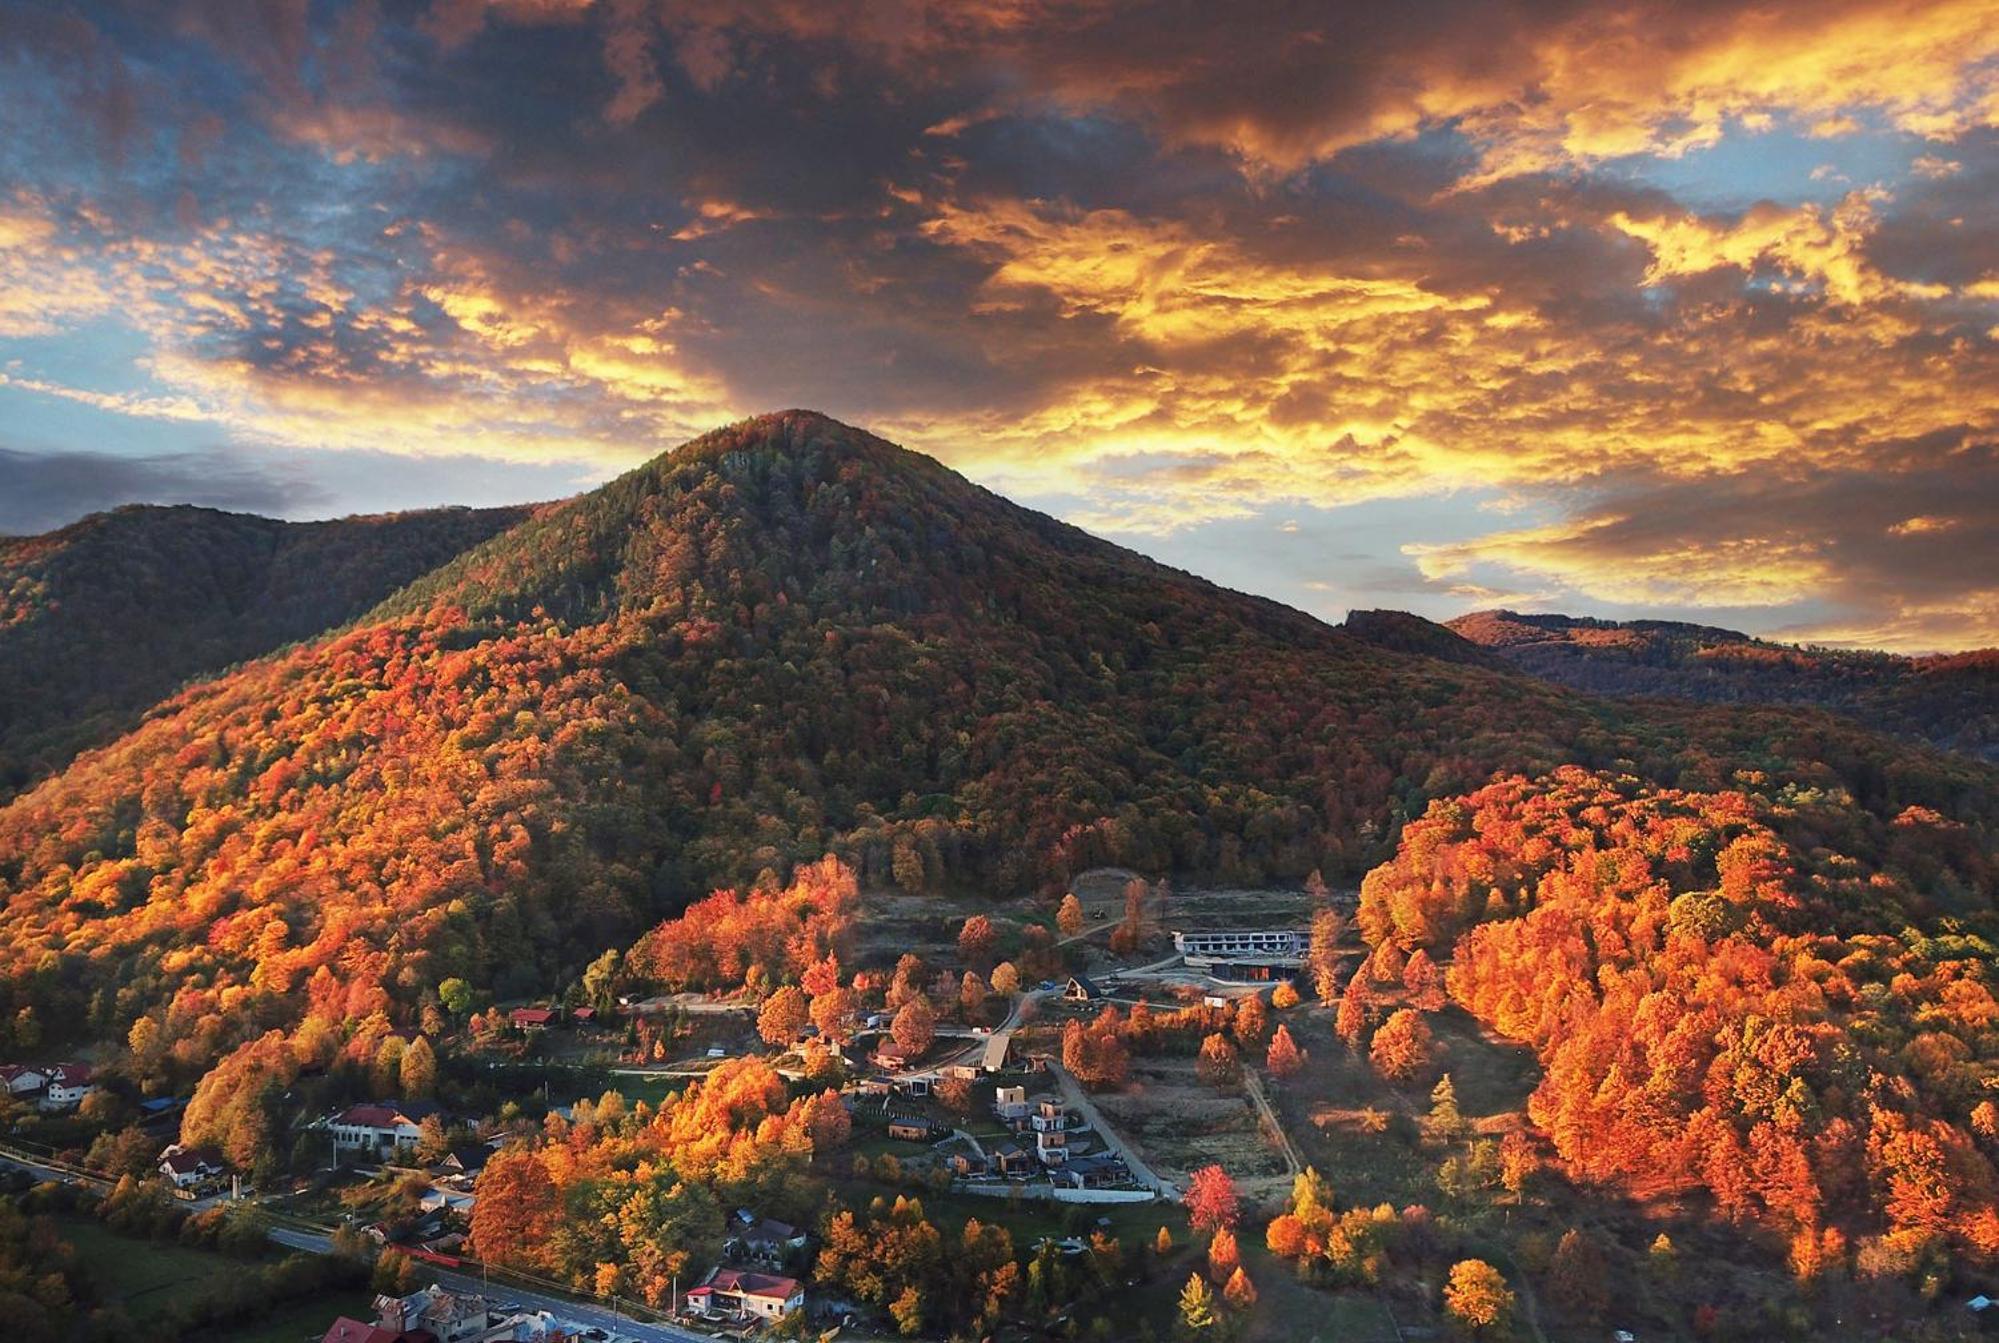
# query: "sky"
x,y
1686,309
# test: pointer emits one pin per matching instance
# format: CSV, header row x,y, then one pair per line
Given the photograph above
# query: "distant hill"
x,y
102,619
1407,633
1951,700
785,639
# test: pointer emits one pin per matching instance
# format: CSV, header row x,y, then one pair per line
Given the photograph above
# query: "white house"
x,y
380,1128
185,1167
1010,1103
734,1294
69,1083
23,1079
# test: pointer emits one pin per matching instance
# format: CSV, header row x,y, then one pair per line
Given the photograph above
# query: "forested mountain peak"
x,y
796,508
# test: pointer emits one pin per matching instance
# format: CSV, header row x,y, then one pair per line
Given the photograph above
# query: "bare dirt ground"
x,y
1181,1124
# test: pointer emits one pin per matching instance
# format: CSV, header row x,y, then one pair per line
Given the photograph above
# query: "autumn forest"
x,y
686,733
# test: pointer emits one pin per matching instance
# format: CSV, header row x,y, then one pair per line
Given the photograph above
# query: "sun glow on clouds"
x,y
1173,270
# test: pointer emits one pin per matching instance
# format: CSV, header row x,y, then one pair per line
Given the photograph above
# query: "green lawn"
x,y
144,1276
302,1321
148,1277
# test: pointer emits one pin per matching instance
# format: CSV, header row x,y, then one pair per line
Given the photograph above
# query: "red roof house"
x,y
738,1294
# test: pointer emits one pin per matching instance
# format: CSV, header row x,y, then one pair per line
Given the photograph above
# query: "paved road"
x,y
1141,1173
975,1054
47,1170
503,1292
62,1173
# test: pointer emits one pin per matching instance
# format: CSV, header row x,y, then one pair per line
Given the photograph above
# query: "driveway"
x,y
1141,1173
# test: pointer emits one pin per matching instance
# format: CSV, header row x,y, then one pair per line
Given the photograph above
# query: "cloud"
x,y
1902,552
42,491
1535,87
1160,268
1824,248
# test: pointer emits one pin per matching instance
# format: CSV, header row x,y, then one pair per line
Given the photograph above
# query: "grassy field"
x,y
1288,1311
148,1278
1026,1220
1180,1123
145,1276
302,1321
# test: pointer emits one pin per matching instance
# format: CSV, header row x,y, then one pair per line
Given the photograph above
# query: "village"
x,y
981,1110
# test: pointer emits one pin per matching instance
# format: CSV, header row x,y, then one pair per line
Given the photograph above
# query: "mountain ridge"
x,y
787,642
1950,700
200,589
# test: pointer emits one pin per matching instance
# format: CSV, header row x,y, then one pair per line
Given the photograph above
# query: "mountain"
x,y
1951,701
102,619
1406,633
786,639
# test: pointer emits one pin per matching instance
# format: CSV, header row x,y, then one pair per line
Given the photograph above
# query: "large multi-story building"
x,y
1243,943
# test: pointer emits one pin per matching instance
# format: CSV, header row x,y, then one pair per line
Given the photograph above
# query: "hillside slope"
x,y
785,639
1951,701
100,620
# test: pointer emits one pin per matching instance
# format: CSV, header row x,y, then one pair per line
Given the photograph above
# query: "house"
x,y
890,1056
463,1161
583,1016
1095,1171
448,1197
186,1167
160,1107
1011,1159
965,1163
381,1128
1051,1147
877,1086
732,1294
347,1330
1082,989
1051,1116
533,1018
1010,1104
909,1130
961,1072
763,1238
23,1079
449,1317
69,1083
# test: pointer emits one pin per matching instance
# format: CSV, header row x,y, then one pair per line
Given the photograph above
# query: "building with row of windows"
x,y
1233,943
